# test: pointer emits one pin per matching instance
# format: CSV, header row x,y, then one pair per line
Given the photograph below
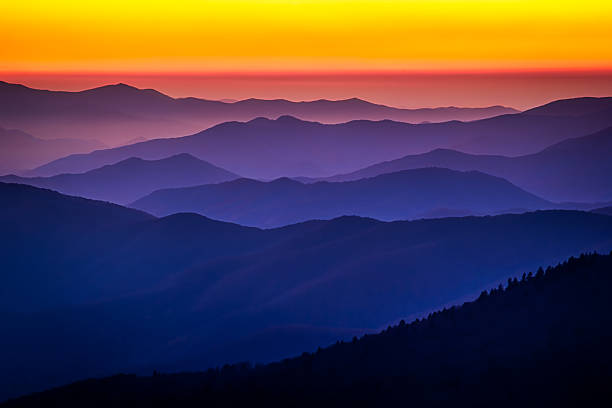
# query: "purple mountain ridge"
x,y
409,194
576,169
268,149
22,151
118,113
132,178
573,107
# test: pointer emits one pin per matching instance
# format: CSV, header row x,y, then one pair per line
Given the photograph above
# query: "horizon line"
x,y
362,99
316,72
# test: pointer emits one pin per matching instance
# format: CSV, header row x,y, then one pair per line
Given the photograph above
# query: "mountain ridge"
x,y
129,179
122,112
265,149
21,151
572,170
407,194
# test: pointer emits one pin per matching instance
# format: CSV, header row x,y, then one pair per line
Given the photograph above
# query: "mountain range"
x,y
289,147
576,169
542,339
276,228
118,113
114,289
22,151
420,193
573,172
131,179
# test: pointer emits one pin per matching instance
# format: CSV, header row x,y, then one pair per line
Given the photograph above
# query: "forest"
x,y
541,339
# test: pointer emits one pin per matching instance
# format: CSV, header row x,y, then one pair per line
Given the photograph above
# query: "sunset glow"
x,y
320,35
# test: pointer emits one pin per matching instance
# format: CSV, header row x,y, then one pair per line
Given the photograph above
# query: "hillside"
x,y
131,179
114,289
541,340
576,169
420,193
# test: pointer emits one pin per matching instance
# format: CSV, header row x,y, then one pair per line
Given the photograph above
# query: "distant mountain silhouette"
x,y
584,116
21,151
541,340
574,170
404,195
118,113
131,179
345,110
573,107
112,289
268,149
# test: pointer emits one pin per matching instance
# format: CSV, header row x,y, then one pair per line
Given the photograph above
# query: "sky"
x,y
304,49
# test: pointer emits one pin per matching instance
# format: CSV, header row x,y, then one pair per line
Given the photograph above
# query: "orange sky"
x,y
303,35
302,49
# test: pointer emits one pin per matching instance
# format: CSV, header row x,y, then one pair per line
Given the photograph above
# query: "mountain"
x,y
339,111
118,113
573,106
542,340
131,179
112,289
289,147
576,169
21,151
583,118
404,195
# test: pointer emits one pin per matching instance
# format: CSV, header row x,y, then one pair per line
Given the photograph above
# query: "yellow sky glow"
x,y
321,35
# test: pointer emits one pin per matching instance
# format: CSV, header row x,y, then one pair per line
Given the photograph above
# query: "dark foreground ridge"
x,y
541,341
